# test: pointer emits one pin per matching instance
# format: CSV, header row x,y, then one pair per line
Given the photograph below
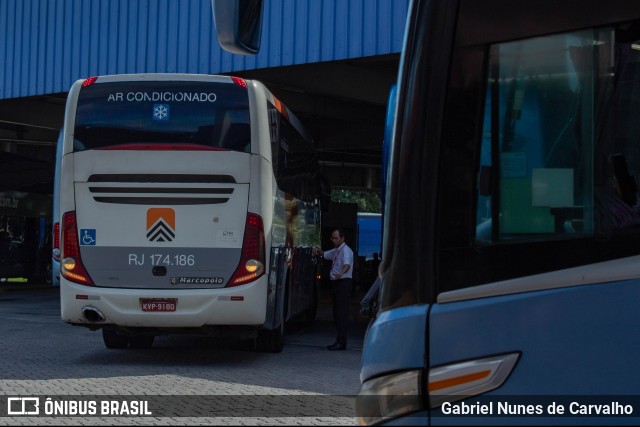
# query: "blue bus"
x,y
511,268
369,235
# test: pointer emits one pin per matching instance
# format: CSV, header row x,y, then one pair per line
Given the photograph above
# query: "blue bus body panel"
x,y
369,235
438,420
574,341
395,341
415,419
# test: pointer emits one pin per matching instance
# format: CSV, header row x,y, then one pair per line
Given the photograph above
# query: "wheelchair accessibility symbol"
x,y
87,237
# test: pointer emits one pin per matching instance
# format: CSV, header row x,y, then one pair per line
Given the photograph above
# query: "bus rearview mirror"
x,y
238,25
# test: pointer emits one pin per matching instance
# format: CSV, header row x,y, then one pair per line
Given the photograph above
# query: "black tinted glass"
x,y
125,114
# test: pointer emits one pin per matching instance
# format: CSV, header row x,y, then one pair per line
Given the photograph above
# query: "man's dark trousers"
x,y
341,297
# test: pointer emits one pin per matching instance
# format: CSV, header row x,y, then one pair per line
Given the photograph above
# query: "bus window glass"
x,y
296,167
558,158
112,115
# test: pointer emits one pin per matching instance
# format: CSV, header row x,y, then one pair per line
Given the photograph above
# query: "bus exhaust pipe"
x,y
92,314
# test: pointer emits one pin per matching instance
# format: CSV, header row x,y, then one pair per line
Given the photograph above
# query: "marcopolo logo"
x,y
161,224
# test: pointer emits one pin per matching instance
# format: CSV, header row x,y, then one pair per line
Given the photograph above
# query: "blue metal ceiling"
x,y
45,45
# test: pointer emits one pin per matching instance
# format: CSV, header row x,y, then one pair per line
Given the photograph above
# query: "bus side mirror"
x,y
238,25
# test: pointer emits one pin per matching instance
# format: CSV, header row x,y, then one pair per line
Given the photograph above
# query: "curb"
x,y
25,287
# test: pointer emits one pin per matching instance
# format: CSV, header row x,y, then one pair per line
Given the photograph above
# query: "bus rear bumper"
x,y
160,308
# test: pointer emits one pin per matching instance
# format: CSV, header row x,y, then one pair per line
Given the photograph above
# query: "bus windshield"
x,y
173,114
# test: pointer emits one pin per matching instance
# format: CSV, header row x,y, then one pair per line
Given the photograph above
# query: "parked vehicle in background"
x,y
369,234
55,227
369,247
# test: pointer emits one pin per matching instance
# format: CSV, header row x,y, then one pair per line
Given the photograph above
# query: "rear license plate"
x,y
158,304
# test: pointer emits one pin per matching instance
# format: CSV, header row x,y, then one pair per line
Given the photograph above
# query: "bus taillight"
x,y
239,82
89,81
71,264
252,261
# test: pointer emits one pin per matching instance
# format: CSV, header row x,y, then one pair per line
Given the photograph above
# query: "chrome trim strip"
x,y
602,272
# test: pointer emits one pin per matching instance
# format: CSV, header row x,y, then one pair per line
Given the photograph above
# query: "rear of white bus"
x,y
160,225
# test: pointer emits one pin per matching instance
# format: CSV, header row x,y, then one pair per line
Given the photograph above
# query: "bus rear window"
x,y
175,114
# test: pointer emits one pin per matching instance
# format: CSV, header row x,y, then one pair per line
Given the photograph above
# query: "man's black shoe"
x,y
337,346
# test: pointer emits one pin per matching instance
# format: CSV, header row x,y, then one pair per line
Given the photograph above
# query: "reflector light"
x,y
455,381
281,107
239,82
240,280
89,81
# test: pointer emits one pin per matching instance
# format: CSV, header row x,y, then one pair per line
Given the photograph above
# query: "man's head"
x,y
337,237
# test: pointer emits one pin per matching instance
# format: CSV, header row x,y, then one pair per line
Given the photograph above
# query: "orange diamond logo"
x,y
161,224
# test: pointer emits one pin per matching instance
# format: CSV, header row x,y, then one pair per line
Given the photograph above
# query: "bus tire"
x,y
272,340
112,339
141,341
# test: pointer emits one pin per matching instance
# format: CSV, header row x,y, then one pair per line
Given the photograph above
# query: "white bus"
x,y
188,204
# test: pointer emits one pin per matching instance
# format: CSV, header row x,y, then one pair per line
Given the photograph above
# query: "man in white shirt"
x,y
341,276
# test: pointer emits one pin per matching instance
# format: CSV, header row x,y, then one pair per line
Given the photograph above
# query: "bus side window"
x,y
274,131
559,151
535,161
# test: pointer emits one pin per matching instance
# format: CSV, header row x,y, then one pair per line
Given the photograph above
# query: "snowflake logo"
x,y
160,112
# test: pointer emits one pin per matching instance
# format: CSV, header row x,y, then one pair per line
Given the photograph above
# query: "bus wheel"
x,y
112,339
271,341
141,341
